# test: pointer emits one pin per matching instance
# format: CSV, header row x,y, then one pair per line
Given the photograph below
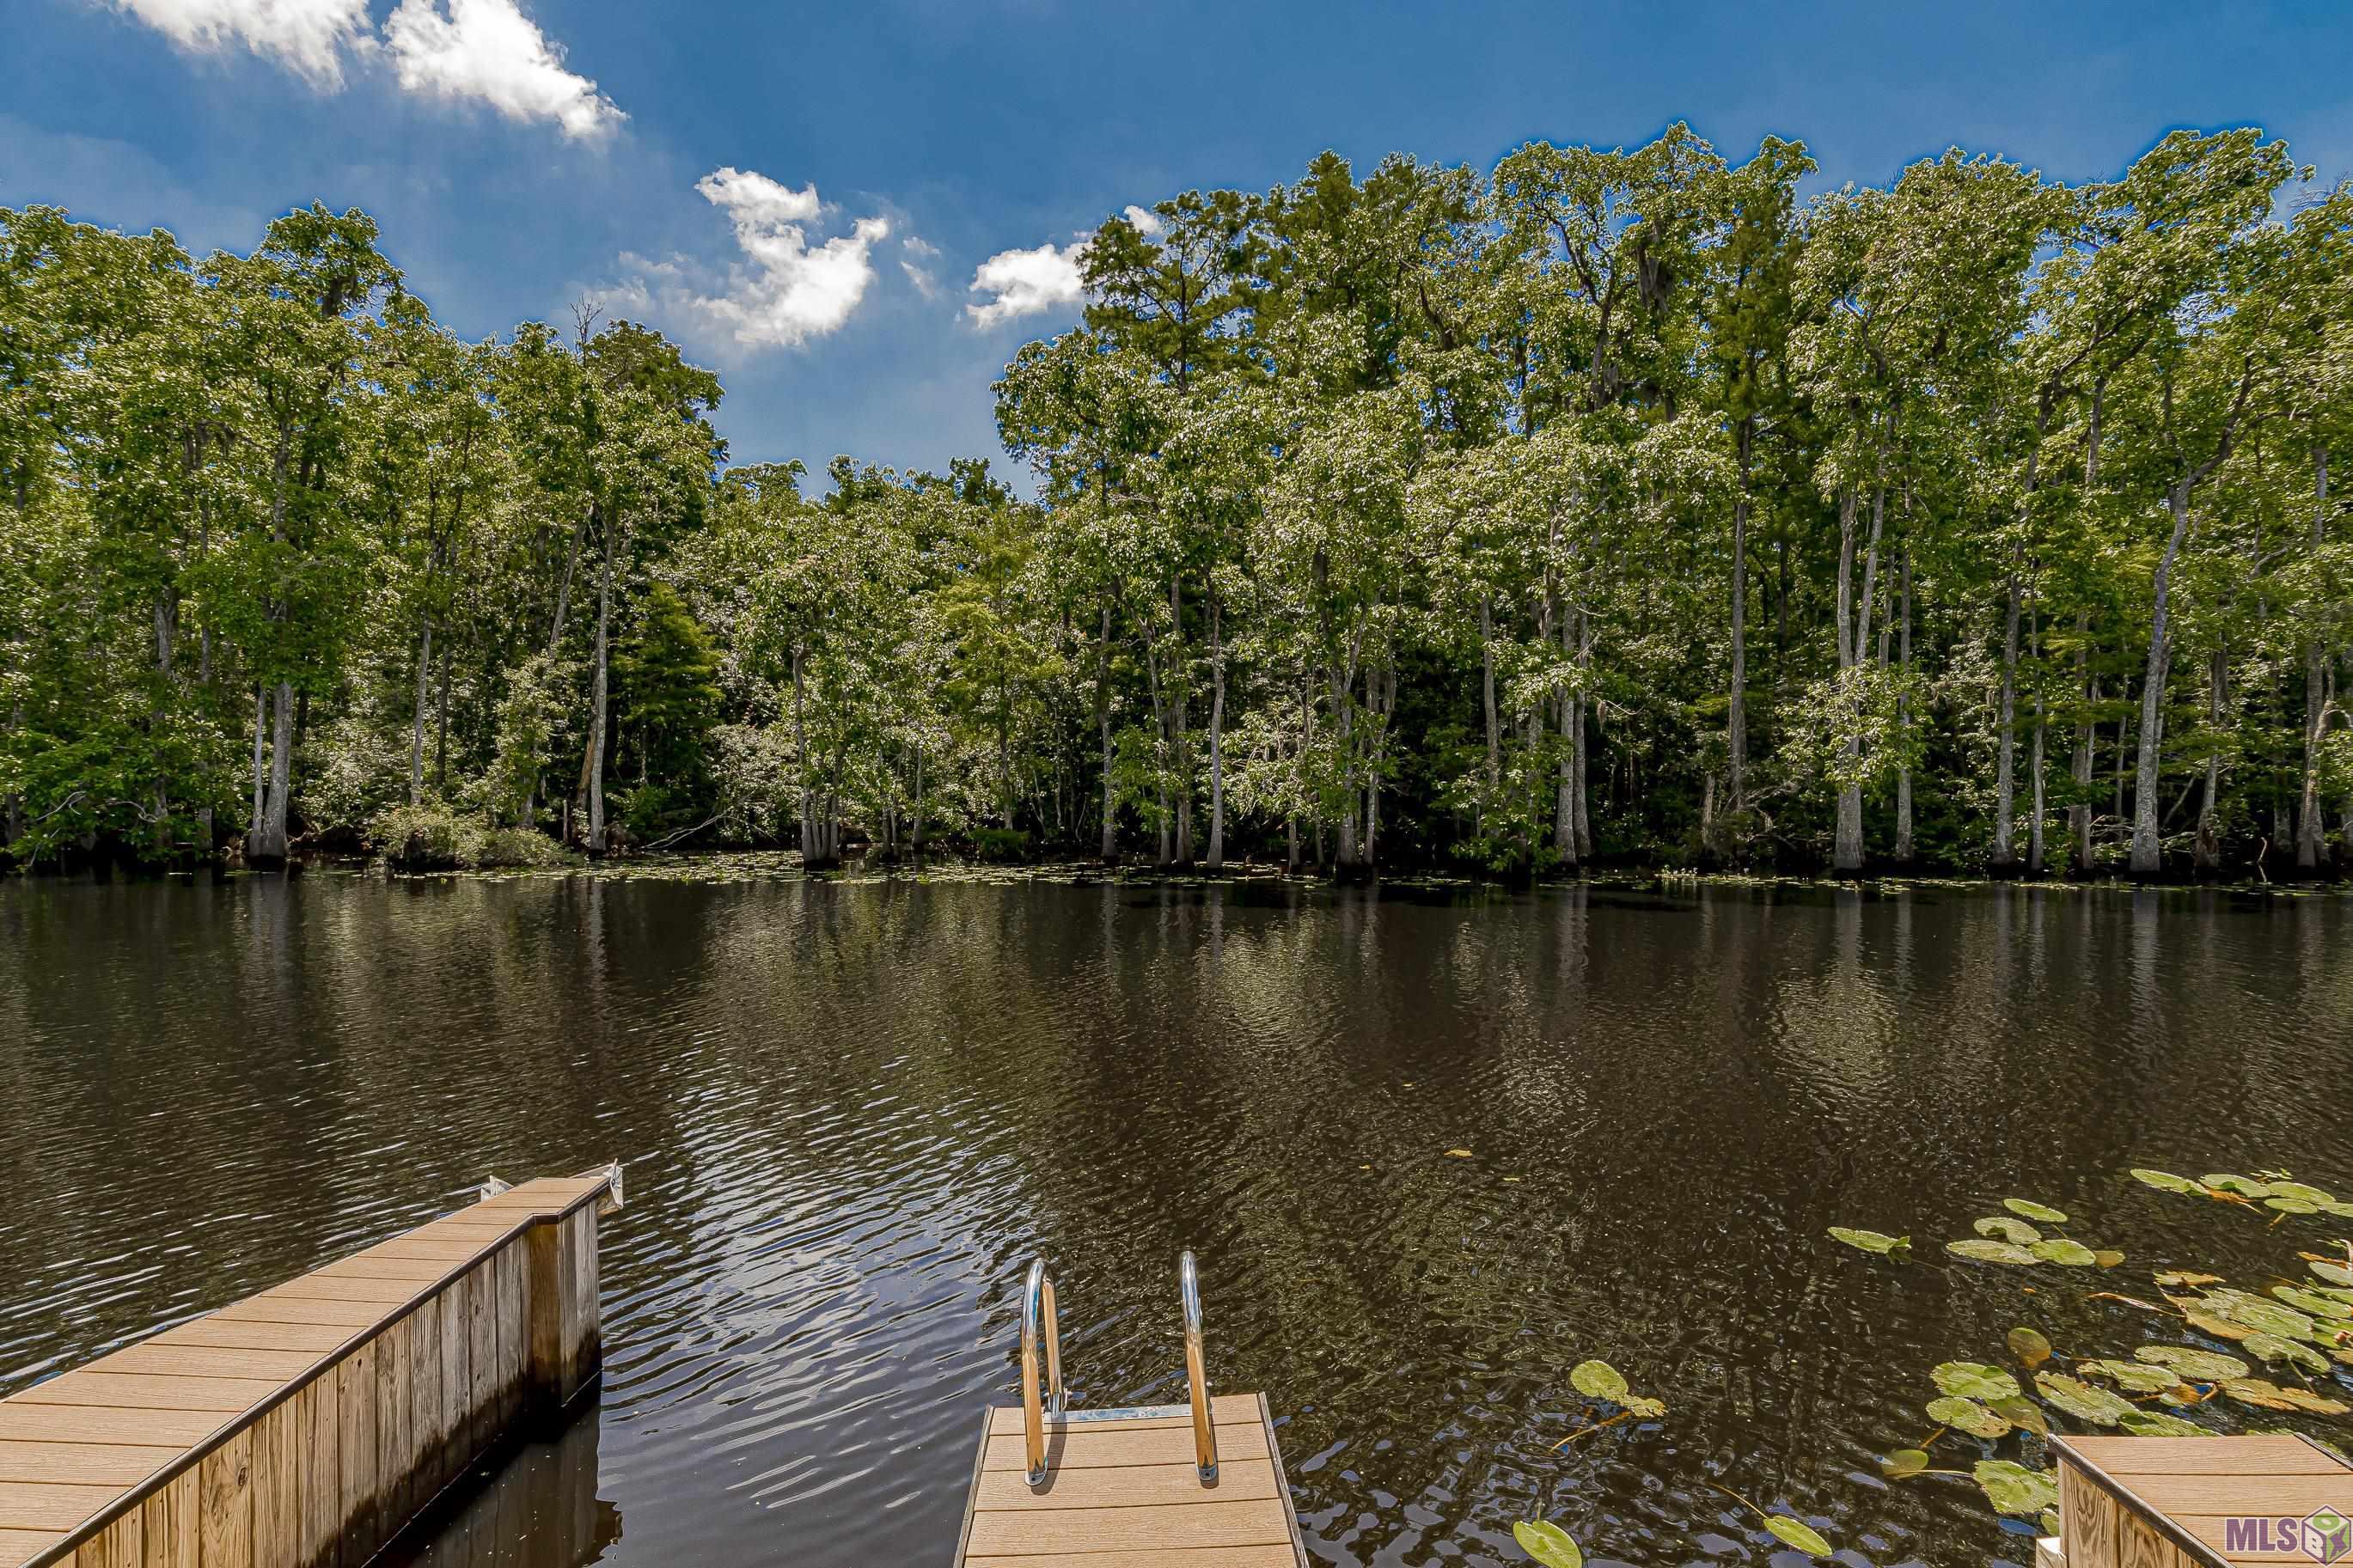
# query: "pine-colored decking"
x,y
309,1422
2164,1502
1124,1494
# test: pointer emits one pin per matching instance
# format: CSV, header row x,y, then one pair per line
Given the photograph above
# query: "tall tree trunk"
x,y
2311,837
1903,846
2147,857
2208,856
1853,637
601,701
2079,813
1102,726
2005,788
1180,750
417,720
916,835
1487,690
1217,735
260,779
1735,724
267,845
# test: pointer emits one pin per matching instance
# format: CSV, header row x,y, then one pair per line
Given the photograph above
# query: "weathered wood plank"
x,y
481,1358
1225,1410
224,1502
395,1423
1038,1532
1120,1445
427,1432
169,1519
356,1453
318,1422
121,1544
276,1483
1128,1485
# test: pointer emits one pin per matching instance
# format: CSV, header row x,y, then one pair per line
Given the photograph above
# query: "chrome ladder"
x,y
1037,1403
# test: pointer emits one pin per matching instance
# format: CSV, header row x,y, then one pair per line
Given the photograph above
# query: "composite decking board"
x,y
306,1423
1123,1493
2167,1502
2124,1458
142,1391
114,1465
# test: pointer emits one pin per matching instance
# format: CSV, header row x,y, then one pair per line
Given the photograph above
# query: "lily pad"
x,y
2166,1181
1973,1380
2136,1377
2157,1424
2267,1395
2032,1210
1967,1415
2029,1347
2335,1273
2313,1301
2245,1186
1981,1251
2303,1192
2080,1400
1904,1462
1648,1409
1797,1533
2295,1205
1598,1380
1548,1543
2202,1366
2012,1489
2073,1254
2276,1351
1872,1241
2179,1277
2256,1314
2107,1258
2017,1232
2023,1413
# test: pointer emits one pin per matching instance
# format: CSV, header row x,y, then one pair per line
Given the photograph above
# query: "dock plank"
x,y
214,1332
1225,1410
50,1505
139,1391
1129,1486
1151,1528
1191,1557
116,1465
21,1422
2252,1456
1119,1445
276,1367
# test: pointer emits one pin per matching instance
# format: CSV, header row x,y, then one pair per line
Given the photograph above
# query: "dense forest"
x,y
1611,507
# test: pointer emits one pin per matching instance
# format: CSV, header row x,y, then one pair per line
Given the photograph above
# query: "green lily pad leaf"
x,y
2166,1181
2183,1277
2313,1301
1904,1462
1990,1252
2136,1377
2023,1413
2274,1350
2107,1258
1797,1533
2029,1347
1598,1380
2202,1366
1548,1543
1648,1409
2246,1187
2157,1424
2335,1273
2049,1521
1872,1241
1974,1380
2073,1254
2080,1400
2043,1212
2013,1488
2301,1191
2254,1312
2267,1395
2017,1232
1967,1415
2294,1206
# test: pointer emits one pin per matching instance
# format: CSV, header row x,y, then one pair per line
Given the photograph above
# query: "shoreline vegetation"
x,y
1604,509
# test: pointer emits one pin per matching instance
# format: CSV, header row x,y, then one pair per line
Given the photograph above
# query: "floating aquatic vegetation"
x,y
1786,1529
1987,1251
2135,1376
2167,1182
2012,1489
2017,1232
1548,1543
2267,1395
2080,1400
2023,1413
1967,1415
2032,1210
2029,1346
1904,1462
2328,1268
2274,1351
2272,1190
1871,1240
2204,1366
2183,1279
1600,1379
1973,1380
2073,1254
2157,1424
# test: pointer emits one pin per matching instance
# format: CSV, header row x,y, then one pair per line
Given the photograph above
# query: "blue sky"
x,y
660,154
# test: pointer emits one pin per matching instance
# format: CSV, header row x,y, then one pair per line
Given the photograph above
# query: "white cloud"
x,y
1026,282
490,51
916,244
784,291
917,251
307,36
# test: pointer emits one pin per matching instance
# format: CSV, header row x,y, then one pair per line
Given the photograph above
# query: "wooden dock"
x,y
2193,1502
303,1426
1199,1485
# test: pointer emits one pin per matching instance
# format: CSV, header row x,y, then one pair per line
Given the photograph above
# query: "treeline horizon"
x,y
1606,507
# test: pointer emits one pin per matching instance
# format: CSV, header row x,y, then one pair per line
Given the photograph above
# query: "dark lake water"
x,y
851,1115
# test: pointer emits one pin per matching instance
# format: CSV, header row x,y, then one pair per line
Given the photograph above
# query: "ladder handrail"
x,y
1197,1376
1037,1300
